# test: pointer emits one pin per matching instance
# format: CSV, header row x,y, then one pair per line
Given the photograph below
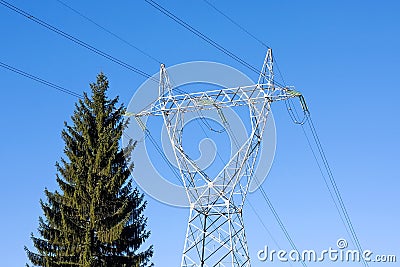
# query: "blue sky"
x,y
343,56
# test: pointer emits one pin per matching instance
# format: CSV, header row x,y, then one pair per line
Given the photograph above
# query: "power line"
x,y
278,219
162,154
325,180
109,31
237,24
201,35
265,227
248,33
341,208
77,41
93,49
262,223
75,94
335,187
40,80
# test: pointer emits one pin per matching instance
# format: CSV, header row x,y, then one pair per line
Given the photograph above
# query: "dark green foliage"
x,y
97,217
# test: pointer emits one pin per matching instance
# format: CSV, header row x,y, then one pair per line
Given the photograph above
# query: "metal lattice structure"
x,y
215,234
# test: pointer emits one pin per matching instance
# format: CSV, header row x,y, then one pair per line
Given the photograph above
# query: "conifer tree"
x,y
96,218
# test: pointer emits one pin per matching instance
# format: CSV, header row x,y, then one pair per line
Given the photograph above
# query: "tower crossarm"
x,y
222,98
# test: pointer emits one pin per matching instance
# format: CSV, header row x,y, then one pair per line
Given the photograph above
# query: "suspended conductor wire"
x,y
320,168
95,50
293,113
162,154
109,32
338,201
248,33
202,36
77,41
40,80
206,123
326,181
336,189
199,34
263,224
280,222
72,93
237,24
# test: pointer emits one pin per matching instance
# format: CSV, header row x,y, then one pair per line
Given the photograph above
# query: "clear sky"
x,y
343,55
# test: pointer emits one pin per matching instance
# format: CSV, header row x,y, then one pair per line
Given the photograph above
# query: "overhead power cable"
x,y
335,193
75,94
109,31
278,219
93,49
237,24
335,188
201,35
262,223
40,80
248,33
162,154
77,41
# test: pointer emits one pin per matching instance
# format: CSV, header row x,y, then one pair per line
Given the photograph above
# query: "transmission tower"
x,y
215,233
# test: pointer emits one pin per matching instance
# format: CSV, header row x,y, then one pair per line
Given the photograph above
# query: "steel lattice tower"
x,y
215,234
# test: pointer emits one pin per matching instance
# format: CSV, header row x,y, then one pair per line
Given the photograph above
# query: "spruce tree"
x,y
96,218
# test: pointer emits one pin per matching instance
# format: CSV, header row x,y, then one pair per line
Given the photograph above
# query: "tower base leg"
x,y
215,237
